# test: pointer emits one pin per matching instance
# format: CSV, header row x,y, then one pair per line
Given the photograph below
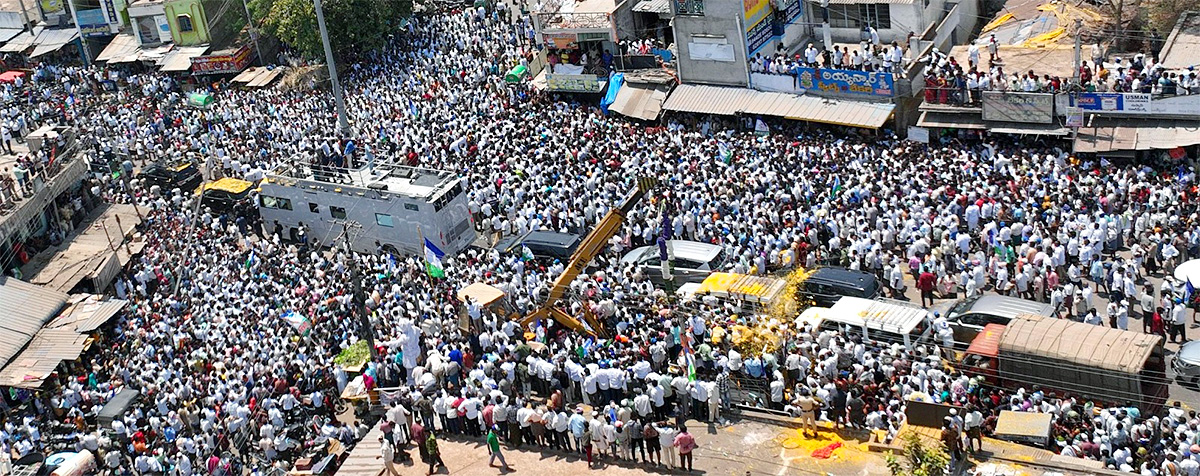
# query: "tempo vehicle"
x,y
1099,363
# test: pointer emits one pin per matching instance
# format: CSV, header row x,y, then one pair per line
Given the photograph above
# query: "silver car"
x,y
694,260
1187,363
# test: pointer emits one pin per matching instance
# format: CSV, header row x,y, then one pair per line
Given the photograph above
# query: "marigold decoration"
x,y
790,302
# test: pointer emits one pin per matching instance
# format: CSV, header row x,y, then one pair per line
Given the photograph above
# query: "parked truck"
x,y
1097,363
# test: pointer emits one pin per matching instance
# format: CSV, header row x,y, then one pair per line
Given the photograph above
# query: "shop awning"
x,y
22,41
1109,135
640,101
87,312
653,6
180,59
9,33
121,47
90,255
26,308
730,101
52,40
37,361
942,120
708,99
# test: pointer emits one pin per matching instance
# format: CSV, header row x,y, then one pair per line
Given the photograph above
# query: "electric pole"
x,y
24,16
253,33
343,123
1078,47
359,305
1077,87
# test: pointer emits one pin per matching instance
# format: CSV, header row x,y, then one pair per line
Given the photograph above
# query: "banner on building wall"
x,y
561,41
843,81
1034,108
759,28
111,12
92,23
1113,102
793,10
576,83
218,64
52,7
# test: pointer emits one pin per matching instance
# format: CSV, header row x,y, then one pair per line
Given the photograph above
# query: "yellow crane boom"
x,y
591,246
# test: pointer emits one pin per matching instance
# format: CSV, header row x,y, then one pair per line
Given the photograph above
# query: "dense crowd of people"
x,y
206,341
948,81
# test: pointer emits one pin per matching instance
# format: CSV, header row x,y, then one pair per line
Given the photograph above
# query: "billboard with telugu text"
x,y
759,29
1033,108
843,81
92,23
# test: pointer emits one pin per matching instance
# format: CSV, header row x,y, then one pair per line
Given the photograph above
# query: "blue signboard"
x,y
1113,102
758,35
794,11
92,22
845,81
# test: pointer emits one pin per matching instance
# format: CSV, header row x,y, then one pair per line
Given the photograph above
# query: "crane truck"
x,y
588,249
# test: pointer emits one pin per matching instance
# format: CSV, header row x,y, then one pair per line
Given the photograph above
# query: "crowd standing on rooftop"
x,y
204,341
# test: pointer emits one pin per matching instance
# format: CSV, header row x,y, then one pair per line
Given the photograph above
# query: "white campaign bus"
x,y
393,205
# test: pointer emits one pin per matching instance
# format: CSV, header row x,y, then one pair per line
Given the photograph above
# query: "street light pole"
x,y
343,124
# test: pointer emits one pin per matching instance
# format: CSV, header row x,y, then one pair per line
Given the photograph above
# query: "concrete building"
x,y
716,37
893,20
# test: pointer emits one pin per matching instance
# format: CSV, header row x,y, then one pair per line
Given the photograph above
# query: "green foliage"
x,y
918,460
354,26
357,354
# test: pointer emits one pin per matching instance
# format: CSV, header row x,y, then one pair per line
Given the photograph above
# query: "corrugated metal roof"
x,y
121,46
22,41
87,312
639,102
9,33
1072,342
26,308
729,101
941,120
1182,48
53,40
48,348
708,99
1108,135
653,6
180,59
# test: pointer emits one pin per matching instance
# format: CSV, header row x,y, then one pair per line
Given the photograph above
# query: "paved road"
x,y
747,447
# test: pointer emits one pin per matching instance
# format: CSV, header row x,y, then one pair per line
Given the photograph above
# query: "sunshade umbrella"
x,y
1189,272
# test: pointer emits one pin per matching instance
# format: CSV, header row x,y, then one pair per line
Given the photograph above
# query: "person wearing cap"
x,y
808,412
493,446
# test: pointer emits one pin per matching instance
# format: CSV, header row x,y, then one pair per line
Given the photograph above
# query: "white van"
x,y
883,321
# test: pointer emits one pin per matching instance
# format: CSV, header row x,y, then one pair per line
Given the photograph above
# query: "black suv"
x,y
182,175
542,243
826,285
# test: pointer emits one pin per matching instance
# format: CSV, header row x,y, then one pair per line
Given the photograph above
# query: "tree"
x,y
919,460
355,26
